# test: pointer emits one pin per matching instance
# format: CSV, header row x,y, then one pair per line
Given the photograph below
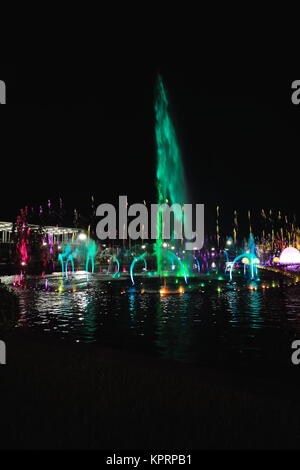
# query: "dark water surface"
x,y
207,324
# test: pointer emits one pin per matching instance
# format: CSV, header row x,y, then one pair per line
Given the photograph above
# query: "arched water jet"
x,y
70,259
63,256
91,248
250,255
198,264
178,260
136,260
226,254
118,266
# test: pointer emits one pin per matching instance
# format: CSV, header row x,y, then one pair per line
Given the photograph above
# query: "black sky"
x,y
81,128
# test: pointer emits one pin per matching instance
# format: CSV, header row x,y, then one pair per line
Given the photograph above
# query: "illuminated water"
x,y
201,326
170,178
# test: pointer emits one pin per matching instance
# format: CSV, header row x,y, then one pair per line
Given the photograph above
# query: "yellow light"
x,y
245,260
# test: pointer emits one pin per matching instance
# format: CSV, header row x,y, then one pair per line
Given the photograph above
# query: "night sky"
x,y
80,128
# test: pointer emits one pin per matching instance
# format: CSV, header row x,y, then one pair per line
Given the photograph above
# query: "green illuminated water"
x,y
170,179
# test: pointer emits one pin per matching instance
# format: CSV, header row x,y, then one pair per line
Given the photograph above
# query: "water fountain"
x,y
169,260
23,240
70,259
135,261
62,257
116,272
248,258
170,179
91,251
171,187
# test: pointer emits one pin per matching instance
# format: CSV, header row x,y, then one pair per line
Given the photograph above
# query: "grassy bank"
x,y
61,395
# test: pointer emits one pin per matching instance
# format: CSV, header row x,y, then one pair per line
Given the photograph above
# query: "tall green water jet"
x,y
170,178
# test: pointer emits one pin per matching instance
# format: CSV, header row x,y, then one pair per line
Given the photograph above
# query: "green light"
x,y
169,174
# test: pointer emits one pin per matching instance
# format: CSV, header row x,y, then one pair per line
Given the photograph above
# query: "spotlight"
x,y
82,236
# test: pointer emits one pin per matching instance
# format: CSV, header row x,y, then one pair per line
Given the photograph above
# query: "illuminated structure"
x,y
290,256
60,234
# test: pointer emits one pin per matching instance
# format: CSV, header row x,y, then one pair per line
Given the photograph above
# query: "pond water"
x,y
211,322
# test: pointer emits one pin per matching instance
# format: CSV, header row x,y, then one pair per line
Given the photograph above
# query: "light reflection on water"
x,y
203,326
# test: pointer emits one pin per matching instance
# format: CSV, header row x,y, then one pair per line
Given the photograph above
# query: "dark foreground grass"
x,y
64,396
8,307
